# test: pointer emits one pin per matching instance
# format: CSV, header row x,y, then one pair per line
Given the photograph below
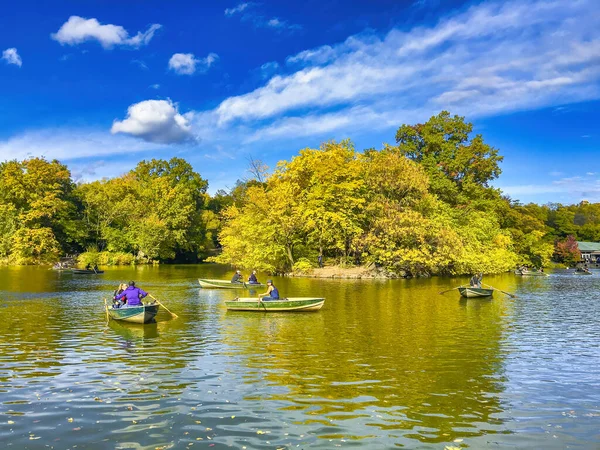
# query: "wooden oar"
x,y
500,290
161,304
106,309
448,290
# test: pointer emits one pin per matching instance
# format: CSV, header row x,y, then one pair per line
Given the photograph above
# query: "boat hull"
x,y
86,272
583,273
471,292
531,274
134,314
286,304
224,284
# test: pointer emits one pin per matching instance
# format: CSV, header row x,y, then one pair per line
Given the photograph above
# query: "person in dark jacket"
x,y
252,278
476,280
237,277
133,295
272,292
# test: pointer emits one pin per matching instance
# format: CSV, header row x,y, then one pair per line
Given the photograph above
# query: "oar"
x,y
161,304
500,290
448,290
106,309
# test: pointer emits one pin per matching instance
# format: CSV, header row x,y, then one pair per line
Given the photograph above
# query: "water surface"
x,y
384,364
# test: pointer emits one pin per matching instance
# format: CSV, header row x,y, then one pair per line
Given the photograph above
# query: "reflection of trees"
x,y
393,355
29,339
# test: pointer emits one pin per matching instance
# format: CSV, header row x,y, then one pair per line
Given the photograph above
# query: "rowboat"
x,y
285,304
473,292
225,284
583,272
529,273
86,271
135,314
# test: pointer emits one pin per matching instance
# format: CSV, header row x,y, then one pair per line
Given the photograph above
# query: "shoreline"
x,y
349,273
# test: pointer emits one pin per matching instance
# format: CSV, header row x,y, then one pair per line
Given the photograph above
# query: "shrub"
x,y
303,266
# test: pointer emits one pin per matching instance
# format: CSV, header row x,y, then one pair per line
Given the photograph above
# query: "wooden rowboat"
x,y
285,304
225,284
134,314
529,273
86,272
472,292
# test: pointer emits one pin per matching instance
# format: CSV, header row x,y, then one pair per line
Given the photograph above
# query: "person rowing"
x,y
271,294
237,277
475,281
133,295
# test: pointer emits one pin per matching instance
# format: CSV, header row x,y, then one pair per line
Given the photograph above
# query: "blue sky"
x,y
101,85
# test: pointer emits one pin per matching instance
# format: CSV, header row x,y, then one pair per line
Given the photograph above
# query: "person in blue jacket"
x,y
252,278
272,292
133,295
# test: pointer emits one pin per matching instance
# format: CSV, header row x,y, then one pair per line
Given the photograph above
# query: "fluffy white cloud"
x,y
494,57
155,121
11,56
79,29
187,63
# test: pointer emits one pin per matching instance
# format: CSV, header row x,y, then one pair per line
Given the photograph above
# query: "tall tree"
x,y
455,162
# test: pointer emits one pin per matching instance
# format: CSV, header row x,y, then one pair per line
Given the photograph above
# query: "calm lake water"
x,y
384,364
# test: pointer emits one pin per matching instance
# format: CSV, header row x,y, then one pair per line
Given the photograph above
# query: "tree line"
x,y
422,206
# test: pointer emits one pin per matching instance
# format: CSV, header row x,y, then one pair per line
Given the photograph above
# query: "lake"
x,y
384,364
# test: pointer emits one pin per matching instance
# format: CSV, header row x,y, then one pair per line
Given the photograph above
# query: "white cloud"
x,y
155,86
155,121
258,20
238,9
79,29
269,68
11,56
492,58
68,144
571,189
187,63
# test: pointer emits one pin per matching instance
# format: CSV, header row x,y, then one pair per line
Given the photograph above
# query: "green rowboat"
x,y
225,284
472,292
285,304
134,314
529,273
86,271
583,272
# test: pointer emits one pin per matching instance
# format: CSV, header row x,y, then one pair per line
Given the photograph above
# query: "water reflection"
x,y
385,363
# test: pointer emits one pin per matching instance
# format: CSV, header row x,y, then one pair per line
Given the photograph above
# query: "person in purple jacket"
x,y
133,295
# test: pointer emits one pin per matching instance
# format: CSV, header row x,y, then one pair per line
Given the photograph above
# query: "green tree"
x,y
455,163
37,196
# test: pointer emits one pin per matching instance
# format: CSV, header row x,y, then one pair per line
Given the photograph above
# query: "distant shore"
x,y
345,273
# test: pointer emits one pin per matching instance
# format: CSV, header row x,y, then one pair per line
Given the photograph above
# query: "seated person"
x,y
272,292
237,277
88,266
133,295
475,280
252,278
116,302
